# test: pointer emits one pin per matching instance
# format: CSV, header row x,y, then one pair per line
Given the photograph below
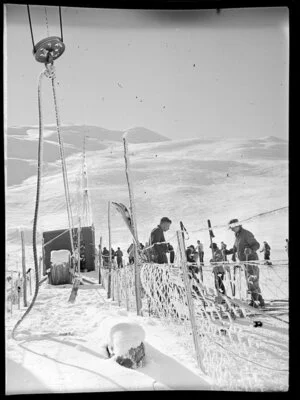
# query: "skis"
x,y
123,210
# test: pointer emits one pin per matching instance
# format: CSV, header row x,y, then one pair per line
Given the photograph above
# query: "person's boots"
x,y
261,301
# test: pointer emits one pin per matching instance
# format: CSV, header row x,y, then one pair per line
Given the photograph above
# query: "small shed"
x,y
60,240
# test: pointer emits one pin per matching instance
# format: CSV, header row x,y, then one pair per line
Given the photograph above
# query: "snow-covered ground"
x,y
60,348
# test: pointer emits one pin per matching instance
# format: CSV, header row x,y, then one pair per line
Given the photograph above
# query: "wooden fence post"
x,y
100,258
118,274
40,267
190,302
19,290
134,226
109,257
24,271
12,291
126,289
29,278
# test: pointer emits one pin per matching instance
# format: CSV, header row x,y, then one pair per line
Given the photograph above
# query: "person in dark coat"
x,y
218,270
157,238
130,251
172,253
223,250
119,255
190,254
105,256
200,250
82,256
266,250
245,247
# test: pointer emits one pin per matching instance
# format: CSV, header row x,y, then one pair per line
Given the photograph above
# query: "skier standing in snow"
x,y
266,250
223,250
157,240
218,270
119,255
200,251
245,247
105,256
82,256
130,252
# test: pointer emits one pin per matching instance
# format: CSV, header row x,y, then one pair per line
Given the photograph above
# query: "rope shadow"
x,y
72,365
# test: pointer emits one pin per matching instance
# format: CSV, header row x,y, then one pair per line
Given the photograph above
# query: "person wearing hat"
x,y
245,247
157,238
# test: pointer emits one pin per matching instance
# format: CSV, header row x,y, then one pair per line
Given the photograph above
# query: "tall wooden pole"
x,y
100,258
12,291
109,257
187,285
211,235
133,221
78,243
24,271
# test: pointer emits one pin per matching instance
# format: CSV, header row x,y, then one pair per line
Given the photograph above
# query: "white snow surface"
x,y
61,348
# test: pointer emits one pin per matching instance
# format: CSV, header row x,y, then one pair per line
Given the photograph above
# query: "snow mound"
x,y
121,334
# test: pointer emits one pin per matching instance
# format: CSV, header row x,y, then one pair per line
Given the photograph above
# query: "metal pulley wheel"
x,y
48,49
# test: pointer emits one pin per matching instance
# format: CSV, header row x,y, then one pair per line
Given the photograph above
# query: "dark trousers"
x,y
119,262
267,255
253,284
201,257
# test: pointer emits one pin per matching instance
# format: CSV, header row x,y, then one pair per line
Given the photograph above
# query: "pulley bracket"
x,y
49,49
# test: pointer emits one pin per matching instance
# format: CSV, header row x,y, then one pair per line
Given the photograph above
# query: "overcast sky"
x,y
180,73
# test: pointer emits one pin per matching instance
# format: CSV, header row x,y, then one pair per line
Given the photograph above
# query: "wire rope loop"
x,y
50,70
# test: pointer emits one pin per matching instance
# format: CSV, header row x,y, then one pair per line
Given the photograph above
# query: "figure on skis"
x,y
267,252
159,248
218,270
245,247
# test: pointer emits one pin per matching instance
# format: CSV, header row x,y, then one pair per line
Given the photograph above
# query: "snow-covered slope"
x,y
187,180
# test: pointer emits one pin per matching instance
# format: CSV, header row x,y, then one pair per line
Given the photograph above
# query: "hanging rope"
x,y
60,21
62,157
30,25
50,73
39,175
47,25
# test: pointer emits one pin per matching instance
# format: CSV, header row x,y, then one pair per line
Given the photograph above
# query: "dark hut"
x,y
60,240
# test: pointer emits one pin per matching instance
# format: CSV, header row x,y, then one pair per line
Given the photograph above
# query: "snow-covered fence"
x,y
234,352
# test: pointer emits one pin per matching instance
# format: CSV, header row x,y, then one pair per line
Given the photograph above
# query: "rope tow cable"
x,y
46,51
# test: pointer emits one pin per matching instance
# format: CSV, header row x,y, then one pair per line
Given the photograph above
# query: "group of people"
x,y
244,249
118,254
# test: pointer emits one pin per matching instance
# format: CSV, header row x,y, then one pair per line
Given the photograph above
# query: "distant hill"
x,y
22,145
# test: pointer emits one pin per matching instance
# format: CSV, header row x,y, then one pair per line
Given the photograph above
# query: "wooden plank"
x,y
96,286
74,291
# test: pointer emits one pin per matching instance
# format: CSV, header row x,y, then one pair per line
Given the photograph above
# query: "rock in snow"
x,y
124,340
